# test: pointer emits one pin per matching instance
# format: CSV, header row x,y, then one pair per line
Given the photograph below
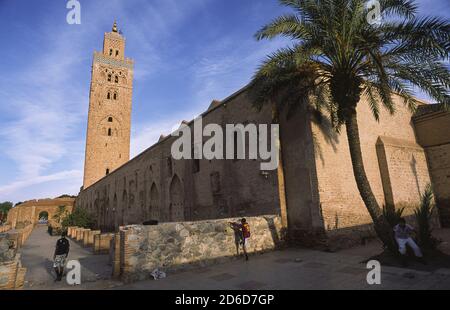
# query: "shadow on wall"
x,y
413,165
328,133
443,206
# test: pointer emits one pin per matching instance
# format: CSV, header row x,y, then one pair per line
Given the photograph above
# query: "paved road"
x,y
296,269
37,256
288,269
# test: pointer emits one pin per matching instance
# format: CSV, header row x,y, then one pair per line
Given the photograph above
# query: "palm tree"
x,y
337,57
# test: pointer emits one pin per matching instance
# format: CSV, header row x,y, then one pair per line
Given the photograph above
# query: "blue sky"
x,y
187,53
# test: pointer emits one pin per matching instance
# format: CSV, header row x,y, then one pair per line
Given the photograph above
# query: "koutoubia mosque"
x,y
314,198
402,153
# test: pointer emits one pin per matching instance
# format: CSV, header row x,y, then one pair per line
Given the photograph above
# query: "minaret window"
x,y
108,96
107,171
117,79
110,120
110,52
117,53
109,77
115,96
109,132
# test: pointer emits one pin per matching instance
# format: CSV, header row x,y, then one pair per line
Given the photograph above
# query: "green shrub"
x,y
424,214
79,218
392,215
60,214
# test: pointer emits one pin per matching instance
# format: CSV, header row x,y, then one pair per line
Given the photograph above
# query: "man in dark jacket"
x,y
60,256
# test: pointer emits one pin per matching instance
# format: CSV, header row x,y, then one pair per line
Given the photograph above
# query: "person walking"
x,y
61,253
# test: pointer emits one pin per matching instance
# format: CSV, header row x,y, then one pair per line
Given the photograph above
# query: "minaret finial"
x,y
114,28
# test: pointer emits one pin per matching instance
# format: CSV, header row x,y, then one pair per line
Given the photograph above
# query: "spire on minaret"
x,y
114,28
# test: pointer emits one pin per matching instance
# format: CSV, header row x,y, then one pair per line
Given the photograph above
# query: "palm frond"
x,y
286,25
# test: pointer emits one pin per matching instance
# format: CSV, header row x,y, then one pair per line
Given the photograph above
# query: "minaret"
x,y
109,118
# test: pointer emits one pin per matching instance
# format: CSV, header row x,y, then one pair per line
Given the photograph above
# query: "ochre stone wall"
x,y
22,235
439,159
12,274
404,170
177,246
301,183
4,228
102,243
394,164
433,132
321,192
89,236
154,186
115,254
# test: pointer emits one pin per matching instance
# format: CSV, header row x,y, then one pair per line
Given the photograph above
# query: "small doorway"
x,y
43,217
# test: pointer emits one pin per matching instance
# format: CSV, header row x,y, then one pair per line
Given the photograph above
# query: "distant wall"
x,y
175,246
28,212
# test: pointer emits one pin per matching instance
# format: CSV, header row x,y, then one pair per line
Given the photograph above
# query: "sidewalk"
x,y
37,257
290,269
296,269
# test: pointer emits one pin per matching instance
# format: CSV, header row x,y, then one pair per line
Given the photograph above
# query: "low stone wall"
x,y
102,243
4,228
176,246
20,236
25,233
80,234
114,255
88,239
71,231
12,274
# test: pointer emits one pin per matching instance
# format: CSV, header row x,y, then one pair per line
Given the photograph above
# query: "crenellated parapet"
x,y
99,57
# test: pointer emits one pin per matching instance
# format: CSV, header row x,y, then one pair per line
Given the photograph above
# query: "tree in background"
x,y
60,214
79,218
4,209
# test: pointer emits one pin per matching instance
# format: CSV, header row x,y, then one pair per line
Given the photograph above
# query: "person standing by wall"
x,y
243,229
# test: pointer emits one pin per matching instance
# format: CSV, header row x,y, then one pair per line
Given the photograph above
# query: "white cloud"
x,y
18,185
48,110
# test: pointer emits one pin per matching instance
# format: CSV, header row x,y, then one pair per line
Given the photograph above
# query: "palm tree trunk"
x,y
280,173
382,228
